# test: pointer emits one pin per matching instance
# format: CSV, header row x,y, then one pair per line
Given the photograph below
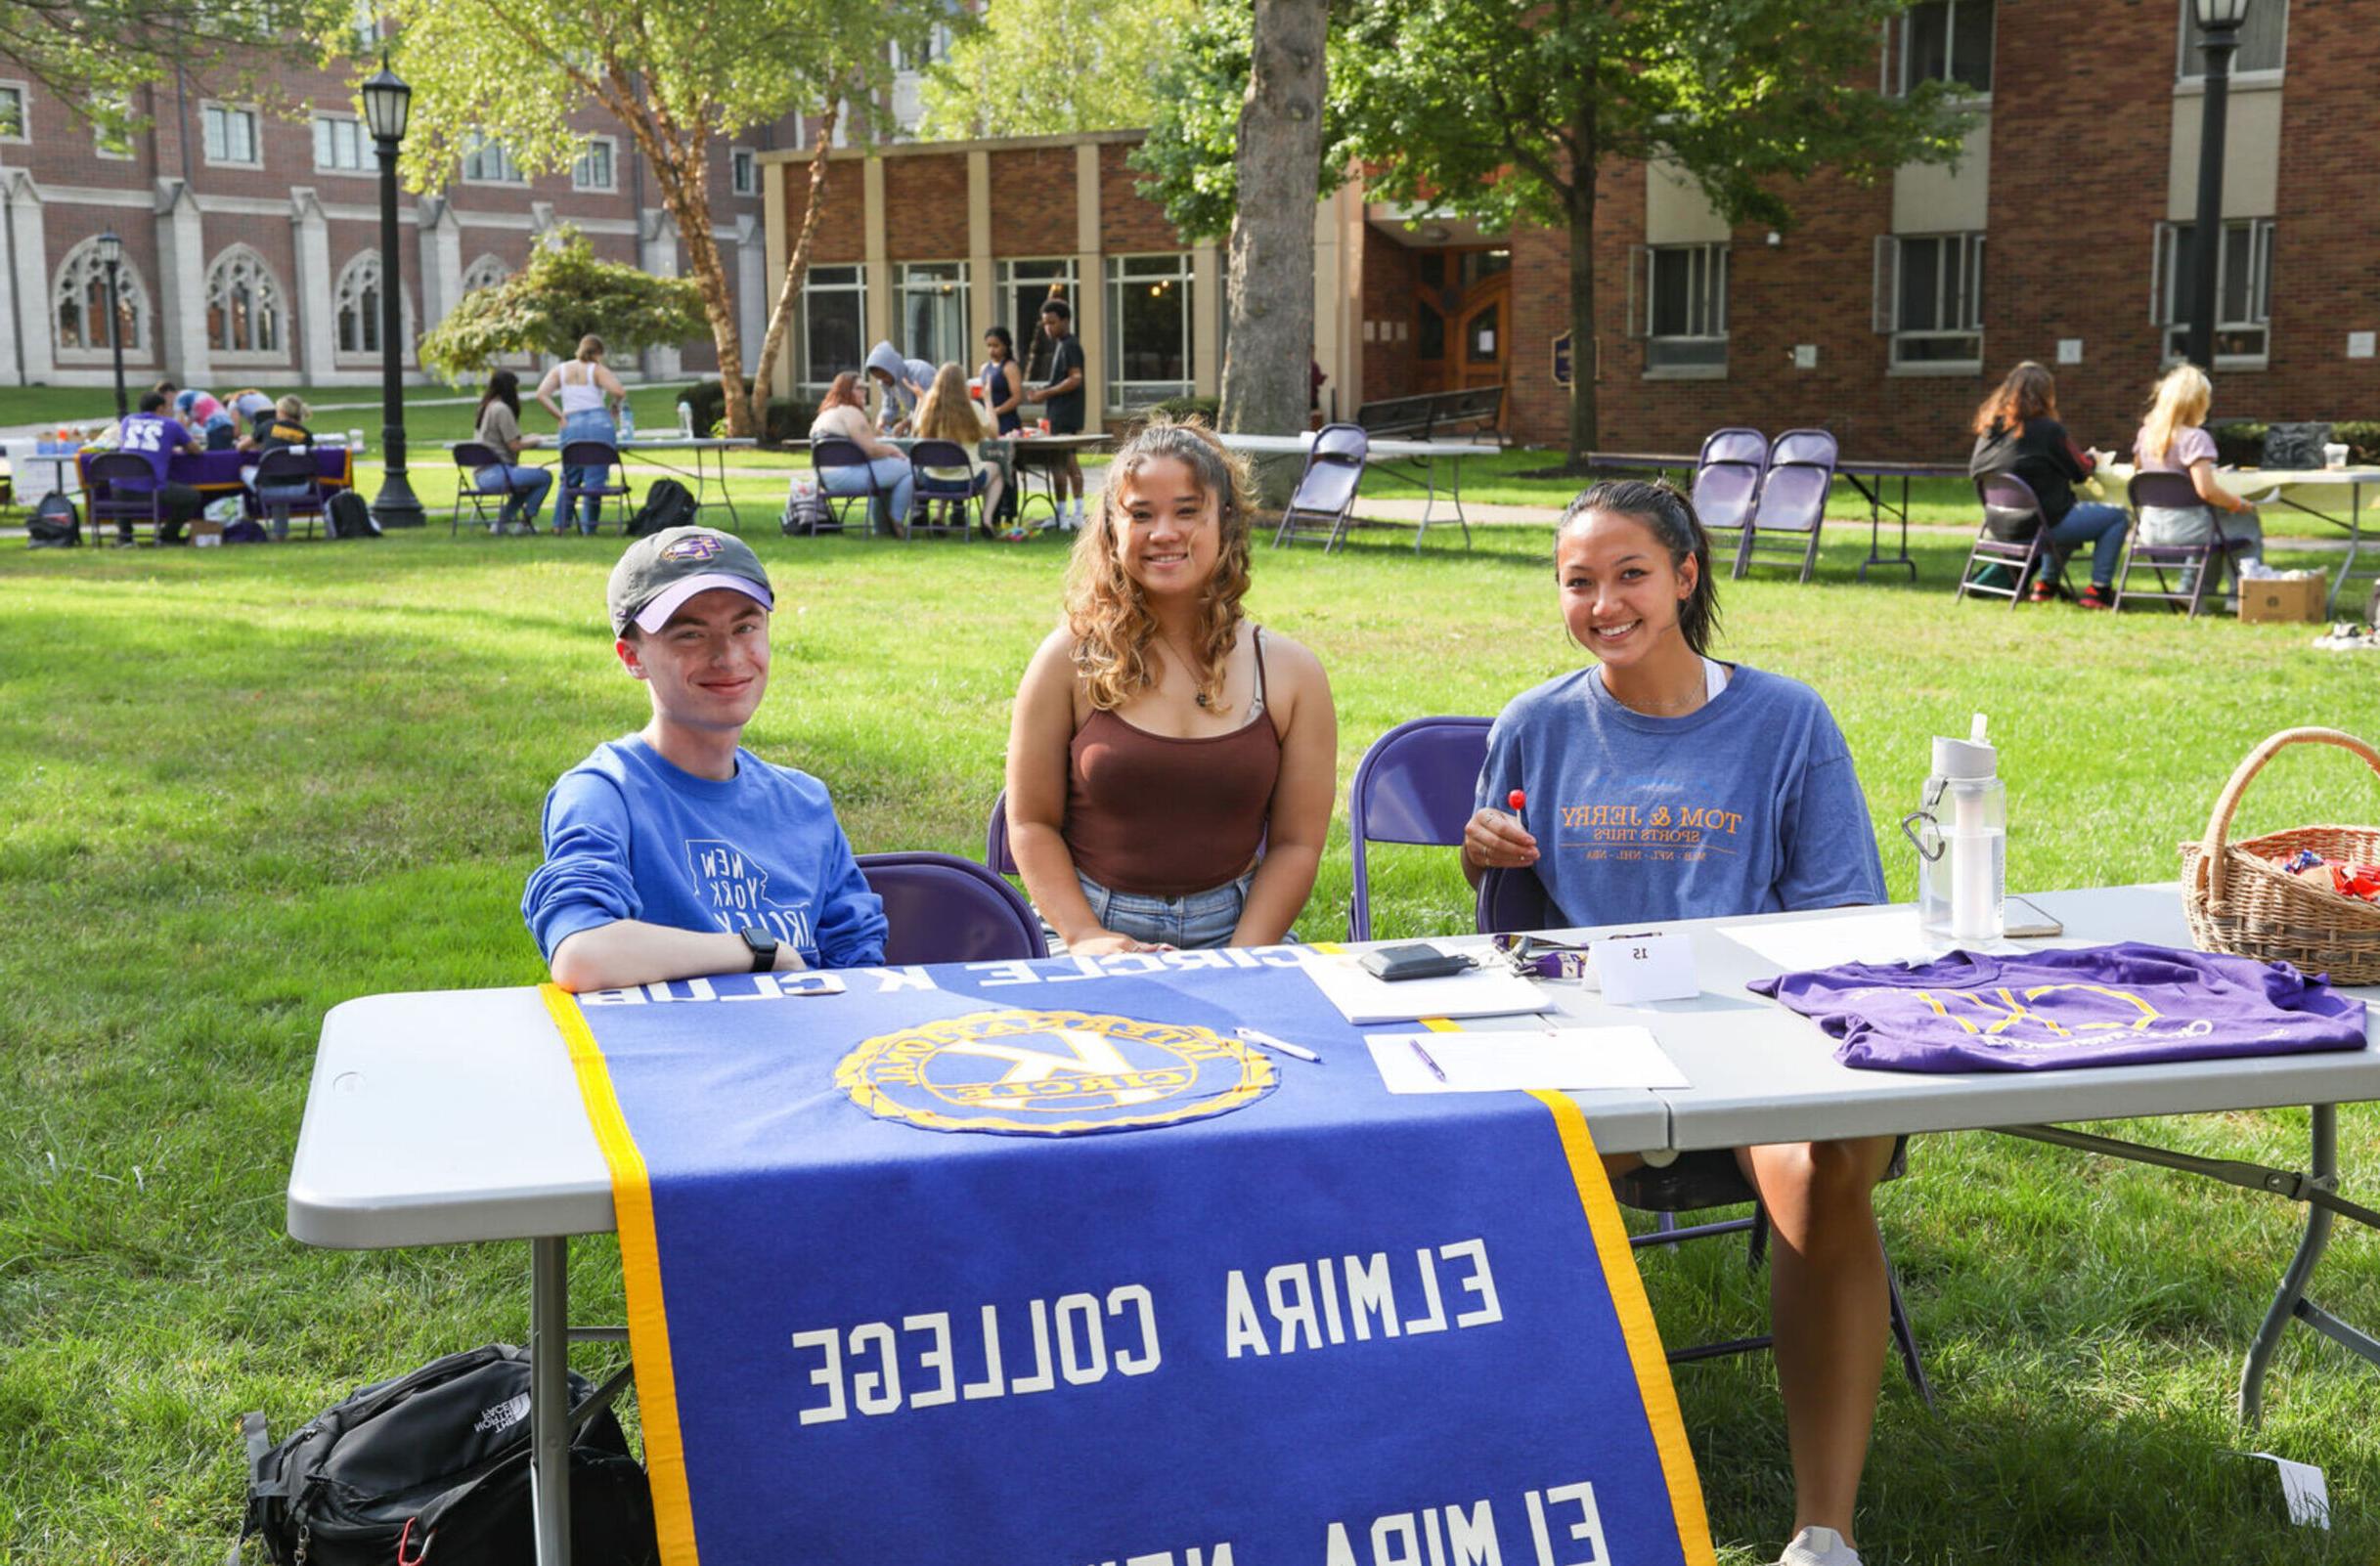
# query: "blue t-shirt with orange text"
x,y
1749,805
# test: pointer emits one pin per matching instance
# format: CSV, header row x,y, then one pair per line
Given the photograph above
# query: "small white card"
x,y
1635,968
2303,1489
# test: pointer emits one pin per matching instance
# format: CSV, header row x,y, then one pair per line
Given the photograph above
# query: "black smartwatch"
x,y
764,948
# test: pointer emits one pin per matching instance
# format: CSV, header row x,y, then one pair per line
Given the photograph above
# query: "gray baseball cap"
x,y
663,570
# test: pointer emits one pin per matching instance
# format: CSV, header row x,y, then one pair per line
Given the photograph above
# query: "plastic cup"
x,y
1043,426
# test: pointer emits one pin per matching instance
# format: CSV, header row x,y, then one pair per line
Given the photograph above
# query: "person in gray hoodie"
x,y
905,383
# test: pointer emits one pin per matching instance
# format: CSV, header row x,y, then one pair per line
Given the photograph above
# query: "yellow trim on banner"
x,y
648,1332
1637,1327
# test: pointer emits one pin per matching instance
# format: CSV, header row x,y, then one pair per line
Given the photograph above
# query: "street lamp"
x,y
386,102
111,256
2219,25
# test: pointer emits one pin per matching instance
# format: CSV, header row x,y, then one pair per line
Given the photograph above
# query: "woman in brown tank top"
x,y
1171,767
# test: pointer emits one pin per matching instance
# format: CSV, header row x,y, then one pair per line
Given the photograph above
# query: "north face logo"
x,y
502,1415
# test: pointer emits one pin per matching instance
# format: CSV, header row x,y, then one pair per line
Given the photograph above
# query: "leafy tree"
x,y
679,74
96,54
562,295
1505,110
1050,68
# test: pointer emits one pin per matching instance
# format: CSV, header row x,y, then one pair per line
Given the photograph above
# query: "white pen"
x,y
1435,1070
1258,1036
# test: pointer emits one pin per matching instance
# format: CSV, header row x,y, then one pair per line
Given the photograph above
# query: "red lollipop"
x,y
1516,799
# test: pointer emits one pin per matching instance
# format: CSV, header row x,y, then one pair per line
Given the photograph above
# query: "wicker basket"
x,y
2239,901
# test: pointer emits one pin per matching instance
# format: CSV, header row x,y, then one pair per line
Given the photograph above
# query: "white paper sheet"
x,y
1510,1061
1363,999
1887,936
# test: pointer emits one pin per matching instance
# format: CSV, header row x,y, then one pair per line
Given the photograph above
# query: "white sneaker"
x,y
1819,1546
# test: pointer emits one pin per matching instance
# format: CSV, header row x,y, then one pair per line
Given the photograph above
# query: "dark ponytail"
x,y
1670,517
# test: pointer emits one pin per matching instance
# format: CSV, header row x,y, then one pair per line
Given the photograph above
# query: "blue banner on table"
x,y
1272,1314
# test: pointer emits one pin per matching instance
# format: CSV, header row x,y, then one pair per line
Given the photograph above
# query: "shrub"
x,y
1208,408
2240,443
788,418
2361,436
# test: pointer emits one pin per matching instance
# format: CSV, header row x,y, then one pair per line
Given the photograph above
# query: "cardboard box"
x,y
209,535
2295,599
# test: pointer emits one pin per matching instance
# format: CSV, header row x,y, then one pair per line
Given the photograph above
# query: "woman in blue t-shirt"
x,y
1667,785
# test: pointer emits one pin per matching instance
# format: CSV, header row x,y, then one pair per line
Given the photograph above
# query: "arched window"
x,y
485,273
356,307
79,304
245,312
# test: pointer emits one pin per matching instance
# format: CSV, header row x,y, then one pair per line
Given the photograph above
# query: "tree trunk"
x,y
796,267
1269,290
1580,200
685,191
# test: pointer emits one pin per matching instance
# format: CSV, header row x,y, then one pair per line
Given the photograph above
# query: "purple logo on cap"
x,y
700,547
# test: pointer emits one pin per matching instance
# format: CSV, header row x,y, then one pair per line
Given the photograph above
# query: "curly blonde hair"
x,y
1105,611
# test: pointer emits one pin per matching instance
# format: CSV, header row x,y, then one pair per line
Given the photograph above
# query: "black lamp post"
x,y
111,256
2219,25
386,102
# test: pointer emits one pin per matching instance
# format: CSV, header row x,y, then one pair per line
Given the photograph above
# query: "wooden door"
x,y
1481,341
1462,319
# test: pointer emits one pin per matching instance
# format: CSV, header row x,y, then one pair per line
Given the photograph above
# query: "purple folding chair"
x,y
933,498
1325,496
2013,537
287,484
1415,784
1727,483
469,458
1513,901
996,837
2199,563
594,462
105,473
941,908
1792,499
828,453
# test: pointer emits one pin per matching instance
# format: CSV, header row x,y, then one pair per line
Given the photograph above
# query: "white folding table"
x,y
2309,490
1379,455
453,1116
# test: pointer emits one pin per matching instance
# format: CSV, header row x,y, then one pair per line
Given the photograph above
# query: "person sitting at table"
x,y
843,412
948,413
156,437
281,425
903,383
248,405
285,431
498,428
674,852
1760,810
1170,764
2172,439
2018,432
588,392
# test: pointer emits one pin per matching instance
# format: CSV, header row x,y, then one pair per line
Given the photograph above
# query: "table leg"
x,y
2354,538
736,518
2325,1167
550,1398
1455,478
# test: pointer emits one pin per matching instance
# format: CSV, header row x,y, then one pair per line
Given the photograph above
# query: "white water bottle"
x,y
1961,831
628,422
685,419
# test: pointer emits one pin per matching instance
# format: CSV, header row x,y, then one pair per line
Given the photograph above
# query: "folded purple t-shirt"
x,y
2054,1010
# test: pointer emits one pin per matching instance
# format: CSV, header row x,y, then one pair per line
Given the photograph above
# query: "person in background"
x,y
285,431
2172,439
588,392
155,436
903,383
498,428
1170,764
248,405
212,423
843,412
2018,432
1656,726
1062,396
948,413
1003,380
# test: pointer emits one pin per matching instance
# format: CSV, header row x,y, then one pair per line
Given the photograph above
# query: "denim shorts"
x,y
1203,919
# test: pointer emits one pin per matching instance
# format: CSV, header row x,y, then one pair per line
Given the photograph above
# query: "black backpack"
x,y
443,1454
667,505
55,524
345,515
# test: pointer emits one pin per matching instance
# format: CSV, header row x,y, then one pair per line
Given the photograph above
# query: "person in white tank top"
x,y
588,392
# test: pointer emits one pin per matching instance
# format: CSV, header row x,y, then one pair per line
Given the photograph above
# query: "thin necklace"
x,y
1188,663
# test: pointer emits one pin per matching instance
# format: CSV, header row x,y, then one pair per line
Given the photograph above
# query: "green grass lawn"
x,y
244,785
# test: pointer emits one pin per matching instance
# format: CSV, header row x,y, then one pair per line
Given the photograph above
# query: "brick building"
x,y
1886,313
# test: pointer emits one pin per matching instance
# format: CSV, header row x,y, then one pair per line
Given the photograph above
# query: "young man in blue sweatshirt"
x,y
674,851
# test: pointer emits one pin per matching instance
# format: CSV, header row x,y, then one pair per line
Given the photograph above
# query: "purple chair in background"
x,y
2010,505
1325,497
2199,563
942,908
1415,784
595,462
933,499
1726,484
1514,901
1792,506
996,837
469,458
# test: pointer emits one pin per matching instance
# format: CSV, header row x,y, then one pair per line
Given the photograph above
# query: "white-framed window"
x,y
932,297
833,325
2243,290
488,163
2263,43
1677,303
1930,297
1947,41
937,49
340,146
355,305
231,136
1150,335
110,129
79,323
1020,290
15,103
244,309
485,273
743,171
594,169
